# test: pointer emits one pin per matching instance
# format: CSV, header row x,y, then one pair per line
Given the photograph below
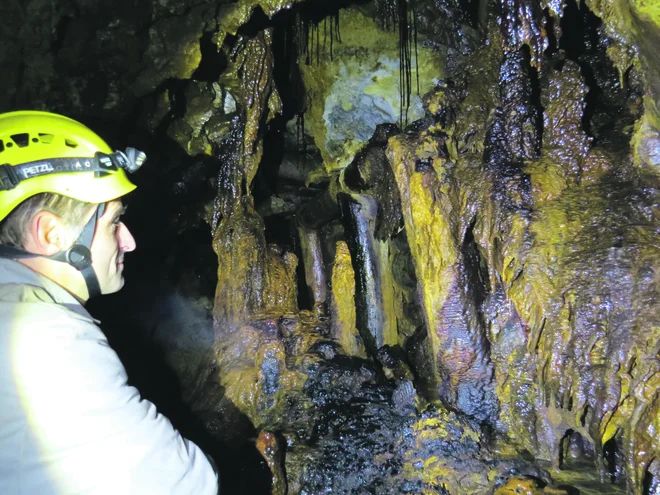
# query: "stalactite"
x,y
246,268
307,31
460,371
401,15
306,39
522,24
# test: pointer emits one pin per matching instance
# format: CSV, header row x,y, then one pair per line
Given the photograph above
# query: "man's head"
x,y
60,210
48,224
111,241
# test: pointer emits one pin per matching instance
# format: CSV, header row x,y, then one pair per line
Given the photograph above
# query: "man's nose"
x,y
126,239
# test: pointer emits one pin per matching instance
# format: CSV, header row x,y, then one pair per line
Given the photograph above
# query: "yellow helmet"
x,y
45,152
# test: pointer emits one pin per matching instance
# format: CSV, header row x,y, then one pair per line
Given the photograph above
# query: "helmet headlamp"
x,y
101,164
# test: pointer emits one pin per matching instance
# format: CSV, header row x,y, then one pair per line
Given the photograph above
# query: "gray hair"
x,y
14,228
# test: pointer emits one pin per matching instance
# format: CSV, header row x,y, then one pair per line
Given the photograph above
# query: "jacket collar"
x,y
13,272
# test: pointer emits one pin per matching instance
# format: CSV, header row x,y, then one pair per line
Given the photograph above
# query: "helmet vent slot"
x,y
70,143
21,140
2,146
46,138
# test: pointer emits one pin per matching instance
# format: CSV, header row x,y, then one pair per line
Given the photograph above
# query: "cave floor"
x,y
586,480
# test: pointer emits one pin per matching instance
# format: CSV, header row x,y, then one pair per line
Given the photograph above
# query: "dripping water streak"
x,y
413,11
402,14
306,41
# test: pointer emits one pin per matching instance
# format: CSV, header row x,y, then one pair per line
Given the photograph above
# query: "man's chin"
x,y
115,287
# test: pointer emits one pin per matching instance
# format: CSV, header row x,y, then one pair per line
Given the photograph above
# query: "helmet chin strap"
x,y
79,255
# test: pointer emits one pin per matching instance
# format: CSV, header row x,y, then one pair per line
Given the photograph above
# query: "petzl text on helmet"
x,y
101,164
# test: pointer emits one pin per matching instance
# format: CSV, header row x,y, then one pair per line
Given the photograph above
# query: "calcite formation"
x,y
517,229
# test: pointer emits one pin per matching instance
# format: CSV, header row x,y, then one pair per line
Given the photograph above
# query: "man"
x,y
69,422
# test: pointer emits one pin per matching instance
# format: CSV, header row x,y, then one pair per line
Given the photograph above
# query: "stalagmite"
x,y
269,447
460,368
344,329
315,275
373,321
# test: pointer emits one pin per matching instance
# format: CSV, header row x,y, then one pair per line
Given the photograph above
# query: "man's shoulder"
x,y
21,287
23,293
31,308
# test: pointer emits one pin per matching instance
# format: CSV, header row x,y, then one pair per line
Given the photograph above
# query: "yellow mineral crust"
x,y
521,485
240,246
591,375
254,68
437,454
254,376
390,336
343,303
280,294
427,212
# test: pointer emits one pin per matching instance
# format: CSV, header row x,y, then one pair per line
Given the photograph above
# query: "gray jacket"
x,y
69,422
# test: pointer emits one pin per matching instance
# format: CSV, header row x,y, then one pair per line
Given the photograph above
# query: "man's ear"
x,y
48,234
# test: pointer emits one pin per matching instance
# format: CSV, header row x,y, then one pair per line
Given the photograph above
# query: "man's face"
x,y
111,240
